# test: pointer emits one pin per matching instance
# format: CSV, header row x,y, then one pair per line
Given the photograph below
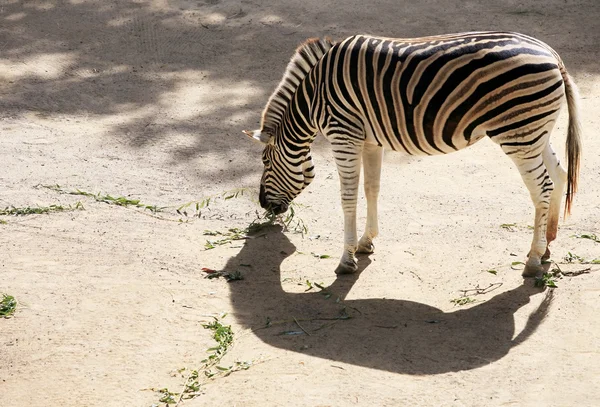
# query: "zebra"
x,y
420,96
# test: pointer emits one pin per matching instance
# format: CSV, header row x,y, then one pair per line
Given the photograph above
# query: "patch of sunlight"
x,y
119,21
213,18
271,19
244,116
197,94
42,5
94,72
15,16
45,66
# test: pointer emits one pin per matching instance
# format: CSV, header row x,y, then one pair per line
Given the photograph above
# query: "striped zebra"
x,y
420,96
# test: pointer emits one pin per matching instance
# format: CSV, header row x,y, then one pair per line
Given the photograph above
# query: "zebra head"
x,y
288,169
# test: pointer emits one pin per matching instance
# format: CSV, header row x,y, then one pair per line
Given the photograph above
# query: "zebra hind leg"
x,y
559,177
372,159
539,183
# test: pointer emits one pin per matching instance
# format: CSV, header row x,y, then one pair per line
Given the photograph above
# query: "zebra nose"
x,y
279,209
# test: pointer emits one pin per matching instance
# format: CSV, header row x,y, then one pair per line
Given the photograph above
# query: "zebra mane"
x,y
306,57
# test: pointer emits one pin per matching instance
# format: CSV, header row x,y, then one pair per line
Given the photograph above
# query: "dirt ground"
x,y
147,100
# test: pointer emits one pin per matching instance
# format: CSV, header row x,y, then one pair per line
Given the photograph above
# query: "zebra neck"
x,y
289,108
298,125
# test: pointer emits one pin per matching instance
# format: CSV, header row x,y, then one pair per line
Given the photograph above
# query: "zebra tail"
x,y
573,144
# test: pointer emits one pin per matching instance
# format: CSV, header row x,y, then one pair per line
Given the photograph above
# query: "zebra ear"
x,y
257,135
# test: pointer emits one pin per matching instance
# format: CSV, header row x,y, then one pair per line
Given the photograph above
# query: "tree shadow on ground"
x,y
393,335
113,57
142,64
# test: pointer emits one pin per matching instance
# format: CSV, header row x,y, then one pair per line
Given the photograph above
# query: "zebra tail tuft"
x,y
573,144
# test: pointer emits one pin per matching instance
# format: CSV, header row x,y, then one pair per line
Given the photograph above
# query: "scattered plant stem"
x,y
558,272
321,256
465,297
480,291
573,258
513,227
547,280
328,294
301,327
576,272
590,236
108,199
463,301
228,276
210,368
226,237
416,275
38,210
8,306
290,220
343,315
198,206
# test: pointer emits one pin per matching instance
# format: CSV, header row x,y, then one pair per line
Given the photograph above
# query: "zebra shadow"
x,y
387,334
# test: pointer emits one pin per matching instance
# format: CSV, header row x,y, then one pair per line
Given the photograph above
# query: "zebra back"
x,y
435,95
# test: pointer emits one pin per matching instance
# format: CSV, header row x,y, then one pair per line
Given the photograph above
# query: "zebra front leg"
x,y
348,160
372,158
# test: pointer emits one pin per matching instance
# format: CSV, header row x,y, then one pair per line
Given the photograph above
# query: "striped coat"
x,y
421,96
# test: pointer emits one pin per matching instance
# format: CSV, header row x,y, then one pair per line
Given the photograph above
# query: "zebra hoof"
x,y
367,248
546,255
532,270
346,268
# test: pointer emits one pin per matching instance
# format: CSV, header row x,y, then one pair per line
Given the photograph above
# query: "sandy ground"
x,y
147,99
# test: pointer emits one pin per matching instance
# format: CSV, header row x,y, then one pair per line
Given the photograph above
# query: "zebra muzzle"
x,y
274,208
278,209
